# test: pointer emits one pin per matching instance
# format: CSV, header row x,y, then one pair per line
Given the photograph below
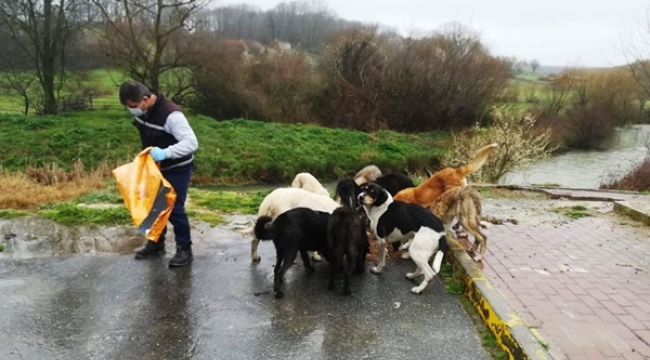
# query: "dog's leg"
x,y
279,254
254,244
414,274
278,279
334,268
346,278
381,256
306,263
421,258
314,256
407,243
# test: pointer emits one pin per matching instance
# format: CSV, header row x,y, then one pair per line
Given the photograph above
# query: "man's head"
x,y
136,96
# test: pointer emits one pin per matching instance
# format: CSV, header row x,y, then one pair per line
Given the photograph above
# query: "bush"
x,y
637,180
520,143
583,107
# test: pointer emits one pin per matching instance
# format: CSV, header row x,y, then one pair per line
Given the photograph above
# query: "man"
x,y
164,127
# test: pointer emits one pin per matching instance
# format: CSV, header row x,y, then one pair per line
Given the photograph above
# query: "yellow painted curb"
x,y
511,332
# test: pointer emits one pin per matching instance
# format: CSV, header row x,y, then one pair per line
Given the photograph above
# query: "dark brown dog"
x,y
347,240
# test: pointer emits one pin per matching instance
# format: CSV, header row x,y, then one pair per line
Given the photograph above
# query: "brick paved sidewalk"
x,y
584,285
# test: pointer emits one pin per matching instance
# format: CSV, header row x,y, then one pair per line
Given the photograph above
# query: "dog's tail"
x,y
264,229
478,161
443,246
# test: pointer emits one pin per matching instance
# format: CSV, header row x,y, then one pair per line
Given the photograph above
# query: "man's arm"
x,y
180,128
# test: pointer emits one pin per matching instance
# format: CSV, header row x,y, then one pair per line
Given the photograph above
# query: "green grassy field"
x,y
230,152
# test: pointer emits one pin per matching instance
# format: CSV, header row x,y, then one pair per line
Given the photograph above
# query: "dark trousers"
x,y
179,178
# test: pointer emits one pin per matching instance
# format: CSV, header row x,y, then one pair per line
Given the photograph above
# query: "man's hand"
x,y
158,154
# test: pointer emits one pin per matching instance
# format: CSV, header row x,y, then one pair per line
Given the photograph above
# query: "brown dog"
x,y
443,180
463,202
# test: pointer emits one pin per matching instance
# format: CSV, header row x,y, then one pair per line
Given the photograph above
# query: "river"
x,y
588,169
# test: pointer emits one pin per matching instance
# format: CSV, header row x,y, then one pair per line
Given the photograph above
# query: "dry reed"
x,y
48,184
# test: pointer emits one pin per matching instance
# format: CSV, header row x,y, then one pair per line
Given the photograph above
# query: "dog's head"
x,y
373,195
347,192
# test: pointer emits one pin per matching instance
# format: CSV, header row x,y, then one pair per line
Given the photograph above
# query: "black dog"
x,y
295,230
347,239
394,182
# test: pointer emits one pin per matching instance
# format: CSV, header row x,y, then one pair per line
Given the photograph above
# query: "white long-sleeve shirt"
x,y
178,126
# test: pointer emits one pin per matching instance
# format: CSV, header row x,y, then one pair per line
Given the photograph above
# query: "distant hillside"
x,y
548,70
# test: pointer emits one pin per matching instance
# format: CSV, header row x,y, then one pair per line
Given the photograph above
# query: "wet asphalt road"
x,y
222,307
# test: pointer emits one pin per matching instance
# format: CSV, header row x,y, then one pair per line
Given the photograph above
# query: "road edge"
x,y
512,333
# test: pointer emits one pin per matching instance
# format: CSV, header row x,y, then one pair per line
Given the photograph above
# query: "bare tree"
x,y
534,64
39,30
148,38
638,56
20,83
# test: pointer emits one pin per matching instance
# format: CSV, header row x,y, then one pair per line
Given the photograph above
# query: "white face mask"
x,y
136,111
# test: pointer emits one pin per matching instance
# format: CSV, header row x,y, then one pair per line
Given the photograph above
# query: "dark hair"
x,y
133,91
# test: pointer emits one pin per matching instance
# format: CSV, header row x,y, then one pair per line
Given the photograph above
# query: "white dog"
x,y
283,199
308,182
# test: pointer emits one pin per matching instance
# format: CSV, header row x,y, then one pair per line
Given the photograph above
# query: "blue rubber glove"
x,y
158,154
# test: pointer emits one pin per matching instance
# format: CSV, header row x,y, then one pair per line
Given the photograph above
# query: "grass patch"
x,y
227,202
2,248
573,212
212,218
546,185
107,196
12,214
68,213
452,285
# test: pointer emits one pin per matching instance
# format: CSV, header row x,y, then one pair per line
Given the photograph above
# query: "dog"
x,y
308,182
347,240
393,182
296,230
393,221
443,180
463,202
283,199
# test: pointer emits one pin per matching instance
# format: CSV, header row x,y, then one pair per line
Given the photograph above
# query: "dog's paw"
x,y
315,257
375,270
411,275
406,255
330,287
256,258
417,290
278,294
347,292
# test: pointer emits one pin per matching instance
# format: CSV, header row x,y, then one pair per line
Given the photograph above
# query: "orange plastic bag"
x,y
146,194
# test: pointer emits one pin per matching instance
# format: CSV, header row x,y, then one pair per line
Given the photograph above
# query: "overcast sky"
x,y
555,32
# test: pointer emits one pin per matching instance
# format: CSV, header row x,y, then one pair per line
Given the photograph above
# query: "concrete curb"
x,y
510,330
626,208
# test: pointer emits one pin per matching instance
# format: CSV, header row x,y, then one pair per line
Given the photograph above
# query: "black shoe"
x,y
182,257
151,249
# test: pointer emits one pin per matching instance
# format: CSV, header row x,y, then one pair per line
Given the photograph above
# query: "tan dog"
x,y
368,174
443,180
463,202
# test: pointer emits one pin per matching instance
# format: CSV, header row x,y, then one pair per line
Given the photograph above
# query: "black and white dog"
x,y
393,221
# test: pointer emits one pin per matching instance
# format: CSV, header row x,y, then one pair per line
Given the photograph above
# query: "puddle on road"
x,y
33,236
